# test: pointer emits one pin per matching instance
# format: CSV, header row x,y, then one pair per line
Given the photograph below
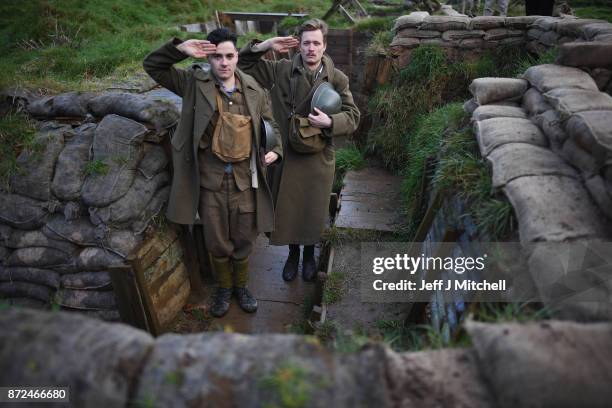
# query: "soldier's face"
x,y
223,62
312,47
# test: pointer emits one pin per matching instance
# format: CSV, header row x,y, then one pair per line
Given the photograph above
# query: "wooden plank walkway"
x,y
370,200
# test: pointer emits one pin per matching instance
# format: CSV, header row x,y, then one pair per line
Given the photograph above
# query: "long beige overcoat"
x,y
302,184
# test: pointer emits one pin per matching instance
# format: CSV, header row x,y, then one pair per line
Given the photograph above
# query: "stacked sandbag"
x,y
582,42
456,31
545,364
551,157
81,201
156,112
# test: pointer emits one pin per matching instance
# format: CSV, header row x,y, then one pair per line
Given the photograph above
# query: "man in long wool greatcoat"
x,y
218,172
302,184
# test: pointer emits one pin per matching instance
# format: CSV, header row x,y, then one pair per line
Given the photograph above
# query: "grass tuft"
x,y
17,134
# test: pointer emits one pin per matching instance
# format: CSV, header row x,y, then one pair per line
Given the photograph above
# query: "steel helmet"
x,y
326,99
268,140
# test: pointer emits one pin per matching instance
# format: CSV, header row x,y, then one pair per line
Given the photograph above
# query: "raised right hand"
x,y
197,48
283,44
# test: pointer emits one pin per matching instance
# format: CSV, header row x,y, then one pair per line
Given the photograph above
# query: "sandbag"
x,y
487,22
128,207
21,302
405,42
22,212
100,280
471,43
79,231
38,257
86,299
603,38
162,114
602,78
152,209
36,238
117,143
520,22
438,42
453,35
4,254
511,41
544,23
415,33
470,106
552,126
123,242
72,104
26,289
575,27
412,20
568,101
548,76
97,259
554,209
534,102
99,362
501,33
592,30
586,54
546,364
534,33
601,192
495,132
72,210
592,131
35,169
514,160
445,23
153,161
38,276
498,111
607,170
106,315
488,90
72,163
579,158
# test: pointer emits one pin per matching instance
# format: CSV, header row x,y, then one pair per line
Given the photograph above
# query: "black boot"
x,y
247,302
309,266
221,302
291,266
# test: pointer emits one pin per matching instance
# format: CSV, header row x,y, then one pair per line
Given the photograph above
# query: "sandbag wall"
x,y
548,364
548,137
83,200
460,35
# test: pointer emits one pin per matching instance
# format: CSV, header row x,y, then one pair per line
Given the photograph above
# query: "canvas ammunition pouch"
x,y
304,138
232,137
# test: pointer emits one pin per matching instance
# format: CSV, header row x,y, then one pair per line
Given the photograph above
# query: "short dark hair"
x,y
219,35
313,25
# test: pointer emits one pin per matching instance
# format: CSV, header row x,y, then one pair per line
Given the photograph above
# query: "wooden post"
x,y
153,323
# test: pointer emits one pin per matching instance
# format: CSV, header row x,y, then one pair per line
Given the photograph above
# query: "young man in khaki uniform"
x,y
218,172
303,183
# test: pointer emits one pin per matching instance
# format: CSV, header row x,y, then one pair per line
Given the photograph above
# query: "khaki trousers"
x,y
228,217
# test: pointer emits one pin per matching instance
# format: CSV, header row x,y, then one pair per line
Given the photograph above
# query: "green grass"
x,y
291,385
96,167
334,287
60,45
17,134
347,158
600,12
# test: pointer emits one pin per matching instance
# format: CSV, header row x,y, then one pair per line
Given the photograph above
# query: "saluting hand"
x,y
278,44
320,120
197,48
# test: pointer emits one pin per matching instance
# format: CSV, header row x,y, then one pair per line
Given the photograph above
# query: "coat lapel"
x,y
251,97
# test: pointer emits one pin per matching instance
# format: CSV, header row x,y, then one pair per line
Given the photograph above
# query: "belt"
x,y
228,168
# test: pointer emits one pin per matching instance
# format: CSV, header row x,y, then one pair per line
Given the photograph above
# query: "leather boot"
x,y
291,266
309,266
221,299
247,302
